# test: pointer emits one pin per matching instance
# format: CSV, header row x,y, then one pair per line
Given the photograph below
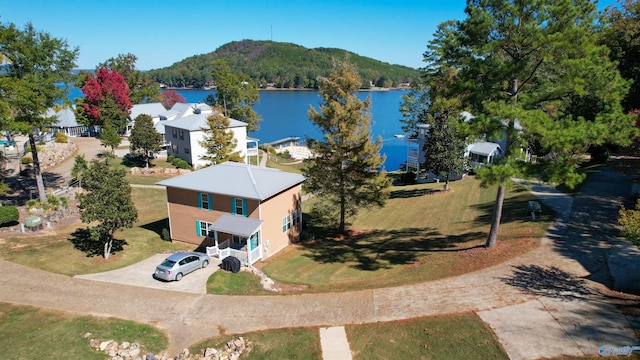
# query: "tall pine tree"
x,y
527,71
345,168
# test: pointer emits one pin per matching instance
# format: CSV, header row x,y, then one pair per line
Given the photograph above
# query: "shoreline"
x,y
281,89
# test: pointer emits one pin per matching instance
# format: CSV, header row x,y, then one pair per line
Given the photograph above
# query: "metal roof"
x,y
152,109
237,180
485,148
65,118
236,225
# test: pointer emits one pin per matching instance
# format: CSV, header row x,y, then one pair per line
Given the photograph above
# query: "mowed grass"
x,y
421,234
55,251
241,283
460,336
32,333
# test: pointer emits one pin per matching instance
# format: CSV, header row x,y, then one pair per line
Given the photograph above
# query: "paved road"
x,y
542,304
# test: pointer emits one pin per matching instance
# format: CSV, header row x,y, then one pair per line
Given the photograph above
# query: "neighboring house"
x,y
155,110
184,133
66,123
250,212
483,153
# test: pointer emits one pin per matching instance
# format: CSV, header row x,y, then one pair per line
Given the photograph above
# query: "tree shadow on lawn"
x,y
550,282
82,240
157,226
514,209
404,194
380,249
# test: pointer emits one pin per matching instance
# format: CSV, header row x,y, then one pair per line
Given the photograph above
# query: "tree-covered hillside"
x,y
283,65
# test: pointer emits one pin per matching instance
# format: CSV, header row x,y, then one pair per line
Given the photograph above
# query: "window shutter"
x,y
198,228
244,207
233,206
199,200
210,202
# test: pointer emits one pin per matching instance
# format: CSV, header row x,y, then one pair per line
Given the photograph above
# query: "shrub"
x,y
181,164
630,221
408,178
26,160
61,137
8,214
165,235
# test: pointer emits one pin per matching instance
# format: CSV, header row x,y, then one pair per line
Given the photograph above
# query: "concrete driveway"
x,y
141,274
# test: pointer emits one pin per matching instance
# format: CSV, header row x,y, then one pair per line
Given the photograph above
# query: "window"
x,y
175,133
174,149
204,201
295,217
186,150
286,223
181,134
239,240
239,209
204,229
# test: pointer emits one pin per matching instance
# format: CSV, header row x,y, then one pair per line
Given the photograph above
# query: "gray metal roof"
x,y
237,180
236,225
485,148
65,118
153,110
187,120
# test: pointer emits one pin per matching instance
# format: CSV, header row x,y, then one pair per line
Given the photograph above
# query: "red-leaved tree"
x,y
107,101
168,98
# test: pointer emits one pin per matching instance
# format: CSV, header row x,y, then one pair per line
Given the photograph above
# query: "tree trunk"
x,y
107,248
36,169
446,184
497,214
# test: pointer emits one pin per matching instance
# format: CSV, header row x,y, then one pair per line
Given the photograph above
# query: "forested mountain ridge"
x,y
282,65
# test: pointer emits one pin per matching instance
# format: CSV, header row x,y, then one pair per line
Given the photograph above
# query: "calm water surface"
x,y
284,114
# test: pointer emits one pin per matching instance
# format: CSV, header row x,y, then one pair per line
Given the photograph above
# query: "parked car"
x,y
179,264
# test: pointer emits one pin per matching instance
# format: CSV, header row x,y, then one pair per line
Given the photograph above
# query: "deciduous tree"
x,y
106,100
107,201
523,68
235,95
168,98
219,141
143,88
345,169
144,138
33,63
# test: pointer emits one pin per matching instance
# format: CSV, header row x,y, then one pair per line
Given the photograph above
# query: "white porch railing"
x,y
224,250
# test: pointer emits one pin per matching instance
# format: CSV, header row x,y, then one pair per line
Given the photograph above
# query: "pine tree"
x,y
219,141
533,74
345,168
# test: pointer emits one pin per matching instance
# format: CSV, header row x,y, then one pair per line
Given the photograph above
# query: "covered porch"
x,y
236,236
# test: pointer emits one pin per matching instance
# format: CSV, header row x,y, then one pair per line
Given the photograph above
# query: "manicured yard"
x,y
30,333
421,234
242,283
138,243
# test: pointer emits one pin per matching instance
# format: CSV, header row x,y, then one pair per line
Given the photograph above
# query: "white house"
x,y
184,133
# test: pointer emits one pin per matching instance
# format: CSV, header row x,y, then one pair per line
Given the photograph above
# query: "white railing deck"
x,y
224,250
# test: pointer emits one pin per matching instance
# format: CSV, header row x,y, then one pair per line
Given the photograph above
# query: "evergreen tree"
x,y
109,138
444,148
107,201
219,141
34,63
144,138
344,169
523,69
80,166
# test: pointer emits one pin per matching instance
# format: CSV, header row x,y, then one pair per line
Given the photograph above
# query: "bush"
x,y
8,214
26,160
61,137
165,235
408,178
630,221
181,164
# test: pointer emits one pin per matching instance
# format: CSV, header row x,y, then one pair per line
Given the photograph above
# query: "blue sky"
x,y
162,32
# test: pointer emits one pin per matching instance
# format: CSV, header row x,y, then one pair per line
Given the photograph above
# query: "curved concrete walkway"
x,y
531,316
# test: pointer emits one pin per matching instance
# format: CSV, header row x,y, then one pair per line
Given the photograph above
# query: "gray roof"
x,y
153,110
195,122
237,180
484,148
66,118
237,225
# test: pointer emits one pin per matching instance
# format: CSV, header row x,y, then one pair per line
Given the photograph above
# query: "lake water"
x,y
284,114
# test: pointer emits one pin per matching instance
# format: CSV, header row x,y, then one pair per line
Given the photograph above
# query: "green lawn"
x,y
241,283
421,234
135,244
30,333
